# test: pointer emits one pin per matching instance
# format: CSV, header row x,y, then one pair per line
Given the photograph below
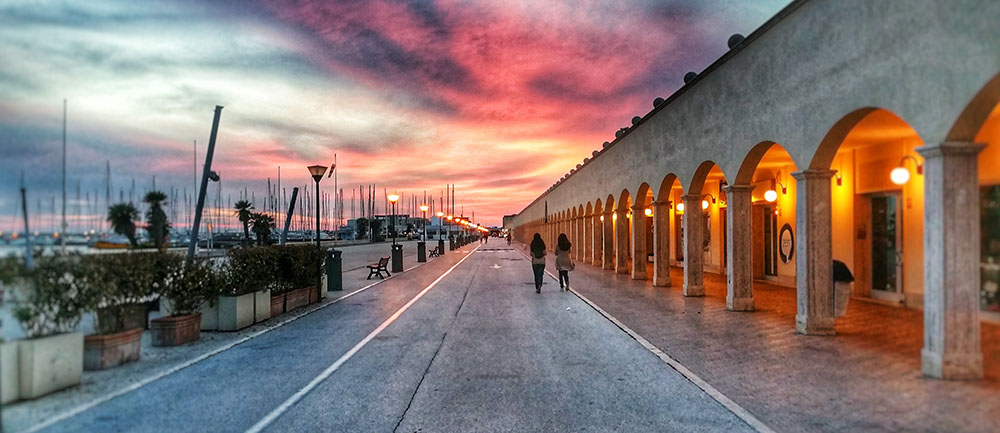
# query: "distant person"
x,y
508,238
538,260
564,263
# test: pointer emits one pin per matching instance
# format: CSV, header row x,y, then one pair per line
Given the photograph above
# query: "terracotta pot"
x,y
277,304
110,350
296,298
313,295
176,330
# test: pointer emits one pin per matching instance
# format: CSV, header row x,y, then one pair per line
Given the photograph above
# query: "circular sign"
x,y
786,242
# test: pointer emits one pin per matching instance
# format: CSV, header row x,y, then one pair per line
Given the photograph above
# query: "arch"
x,y
624,199
698,181
589,211
666,185
828,148
643,191
597,207
609,203
745,174
971,121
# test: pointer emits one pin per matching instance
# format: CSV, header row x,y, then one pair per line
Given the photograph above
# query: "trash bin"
x,y
334,270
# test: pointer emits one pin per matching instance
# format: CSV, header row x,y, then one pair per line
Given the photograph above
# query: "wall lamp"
x,y
901,175
704,203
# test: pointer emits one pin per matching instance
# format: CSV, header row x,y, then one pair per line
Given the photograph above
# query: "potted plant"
x,y
120,285
249,274
187,286
299,270
11,271
50,308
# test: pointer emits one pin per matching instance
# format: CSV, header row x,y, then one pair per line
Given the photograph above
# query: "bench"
x,y
436,252
378,268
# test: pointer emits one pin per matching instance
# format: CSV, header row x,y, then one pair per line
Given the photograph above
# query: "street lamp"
x,y
317,172
393,198
423,209
422,244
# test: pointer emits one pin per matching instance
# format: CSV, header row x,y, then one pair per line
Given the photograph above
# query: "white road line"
x,y
295,398
136,385
732,406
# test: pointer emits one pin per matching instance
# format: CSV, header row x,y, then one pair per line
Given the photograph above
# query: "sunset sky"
x,y
500,98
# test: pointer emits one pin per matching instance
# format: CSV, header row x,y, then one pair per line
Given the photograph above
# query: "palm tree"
x,y
262,225
159,225
244,213
122,217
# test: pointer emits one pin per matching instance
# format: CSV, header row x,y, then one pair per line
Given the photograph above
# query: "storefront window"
x,y
990,228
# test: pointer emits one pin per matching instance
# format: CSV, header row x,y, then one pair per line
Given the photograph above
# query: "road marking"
x,y
295,398
726,402
496,266
136,385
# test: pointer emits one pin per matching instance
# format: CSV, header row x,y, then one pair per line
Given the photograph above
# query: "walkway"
x,y
867,378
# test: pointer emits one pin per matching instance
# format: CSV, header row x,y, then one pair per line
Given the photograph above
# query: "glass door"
x,y
887,247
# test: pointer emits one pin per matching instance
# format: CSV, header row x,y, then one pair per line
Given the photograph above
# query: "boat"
x,y
113,242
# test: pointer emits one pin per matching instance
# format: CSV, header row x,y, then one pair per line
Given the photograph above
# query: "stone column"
x,y
952,277
694,246
661,243
580,242
588,239
621,240
598,240
814,253
739,273
609,241
639,253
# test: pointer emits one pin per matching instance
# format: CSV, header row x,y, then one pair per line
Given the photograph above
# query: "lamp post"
x,y
397,250
422,245
317,172
451,239
440,216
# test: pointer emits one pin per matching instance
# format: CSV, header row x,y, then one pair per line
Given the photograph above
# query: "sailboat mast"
x,y
62,236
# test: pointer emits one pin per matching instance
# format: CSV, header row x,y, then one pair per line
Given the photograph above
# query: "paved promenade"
x,y
461,343
866,378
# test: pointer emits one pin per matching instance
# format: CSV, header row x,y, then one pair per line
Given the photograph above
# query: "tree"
x,y
244,212
262,225
122,217
159,224
362,227
376,228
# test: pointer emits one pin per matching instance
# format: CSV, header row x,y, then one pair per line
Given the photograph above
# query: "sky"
x,y
500,98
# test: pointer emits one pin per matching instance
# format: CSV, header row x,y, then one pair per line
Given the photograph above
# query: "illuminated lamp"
x,y
648,212
440,214
680,207
771,195
602,218
901,175
614,216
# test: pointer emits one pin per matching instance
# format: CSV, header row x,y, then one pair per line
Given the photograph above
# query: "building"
x,y
839,130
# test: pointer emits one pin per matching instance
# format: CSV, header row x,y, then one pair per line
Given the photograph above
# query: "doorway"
x,y
887,246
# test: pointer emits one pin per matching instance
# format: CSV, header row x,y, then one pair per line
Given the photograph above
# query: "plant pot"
x,y
10,387
175,330
313,295
261,305
296,298
48,364
209,314
236,312
110,350
277,304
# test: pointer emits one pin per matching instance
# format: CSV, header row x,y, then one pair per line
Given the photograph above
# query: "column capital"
x,y
609,211
738,188
692,197
662,203
637,207
814,173
950,148
621,210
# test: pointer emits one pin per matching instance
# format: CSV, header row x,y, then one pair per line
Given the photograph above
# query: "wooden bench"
x,y
436,252
378,268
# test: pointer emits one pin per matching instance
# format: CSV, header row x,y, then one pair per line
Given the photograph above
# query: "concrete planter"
x,y
323,288
10,387
175,330
277,304
261,305
49,364
296,298
236,312
106,351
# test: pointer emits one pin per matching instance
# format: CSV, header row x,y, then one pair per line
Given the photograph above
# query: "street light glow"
x,y
393,198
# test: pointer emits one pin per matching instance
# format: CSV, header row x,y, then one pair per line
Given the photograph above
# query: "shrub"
x,y
54,298
251,270
300,265
190,285
122,283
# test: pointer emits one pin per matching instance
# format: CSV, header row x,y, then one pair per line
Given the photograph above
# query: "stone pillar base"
x,y
739,304
638,275
807,326
955,366
694,290
661,281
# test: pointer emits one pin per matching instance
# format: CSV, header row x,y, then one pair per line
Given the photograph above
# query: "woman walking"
x,y
564,261
538,260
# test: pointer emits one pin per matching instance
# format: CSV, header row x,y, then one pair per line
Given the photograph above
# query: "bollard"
x,y
397,258
421,251
441,246
451,242
334,270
